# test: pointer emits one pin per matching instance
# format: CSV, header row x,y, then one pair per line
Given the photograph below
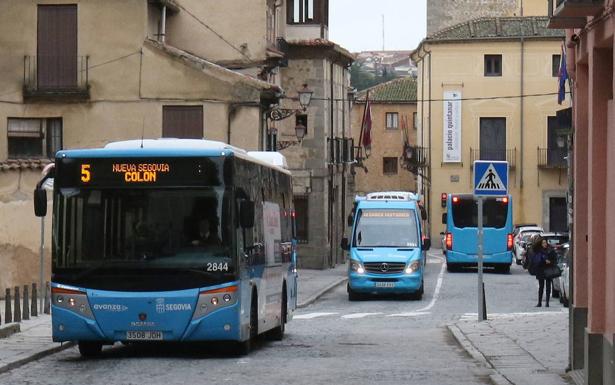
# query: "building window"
x,y
493,65
389,165
185,122
57,47
555,62
392,122
307,11
415,123
301,218
34,138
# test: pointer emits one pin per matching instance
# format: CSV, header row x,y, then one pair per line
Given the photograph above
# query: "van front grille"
x,y
384,267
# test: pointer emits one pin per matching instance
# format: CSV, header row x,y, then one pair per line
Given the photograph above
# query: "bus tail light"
x,y
455,199
71,299
505,200
509,242
449,241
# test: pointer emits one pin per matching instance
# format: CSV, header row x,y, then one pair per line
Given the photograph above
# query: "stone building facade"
x,y
442,14
502,74
590,42
83,73
393,111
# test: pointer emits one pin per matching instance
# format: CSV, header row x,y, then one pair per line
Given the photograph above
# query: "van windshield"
x,y
386,228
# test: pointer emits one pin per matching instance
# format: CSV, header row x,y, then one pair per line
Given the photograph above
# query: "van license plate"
x,y
385,284
145,335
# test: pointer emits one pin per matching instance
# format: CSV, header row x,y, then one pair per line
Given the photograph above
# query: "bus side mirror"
x,y
423,213
444,218
350,220
426,244
40,202
246,214
345,245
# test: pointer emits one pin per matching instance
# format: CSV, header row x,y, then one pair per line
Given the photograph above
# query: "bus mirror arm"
x,y
426,244
350,220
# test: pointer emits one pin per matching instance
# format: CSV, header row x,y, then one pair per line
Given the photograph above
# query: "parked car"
x,y
518,235
562,255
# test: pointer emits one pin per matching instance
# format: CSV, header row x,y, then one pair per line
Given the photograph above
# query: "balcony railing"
x,y
56,78
509,155
552,158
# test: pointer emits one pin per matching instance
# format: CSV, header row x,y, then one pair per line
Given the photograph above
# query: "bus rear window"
x,y
465,213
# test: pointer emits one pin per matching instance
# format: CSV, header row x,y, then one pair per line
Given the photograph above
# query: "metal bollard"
x,y
33,307
16,302
47,306
8,313
26,304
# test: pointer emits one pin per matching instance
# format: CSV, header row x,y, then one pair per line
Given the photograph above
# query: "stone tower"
x,y
445,13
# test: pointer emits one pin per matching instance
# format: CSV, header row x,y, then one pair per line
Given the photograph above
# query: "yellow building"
x,y
393,110
487,89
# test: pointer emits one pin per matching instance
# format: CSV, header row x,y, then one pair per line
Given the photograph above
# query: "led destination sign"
x,y
106,172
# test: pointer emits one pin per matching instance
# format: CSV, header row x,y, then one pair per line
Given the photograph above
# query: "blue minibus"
x,y
387,247
461,236
170,240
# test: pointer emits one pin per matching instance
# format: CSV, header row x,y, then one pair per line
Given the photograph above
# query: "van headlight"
x,y
357,266
413,267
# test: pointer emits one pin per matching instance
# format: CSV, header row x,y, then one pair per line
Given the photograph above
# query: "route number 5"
x,y
86,175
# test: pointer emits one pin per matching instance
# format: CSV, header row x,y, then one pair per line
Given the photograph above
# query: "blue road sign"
x,y
490,178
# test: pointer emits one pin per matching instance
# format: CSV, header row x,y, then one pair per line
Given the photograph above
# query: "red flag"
x,y
366,127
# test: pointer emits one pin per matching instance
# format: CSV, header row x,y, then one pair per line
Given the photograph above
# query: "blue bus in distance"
x,y
461,236
170,240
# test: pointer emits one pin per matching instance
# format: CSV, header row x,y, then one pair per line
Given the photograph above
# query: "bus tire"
x,y
353,295
89,349
503,269
277,334
244,347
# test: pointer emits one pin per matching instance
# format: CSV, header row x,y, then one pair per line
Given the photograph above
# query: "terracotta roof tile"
x,y
402,90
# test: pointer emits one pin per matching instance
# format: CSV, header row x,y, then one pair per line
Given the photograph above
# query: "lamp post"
x,y
277,114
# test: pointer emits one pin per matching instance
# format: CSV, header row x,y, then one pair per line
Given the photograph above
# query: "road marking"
x,y
313,315
410,314
359,315
472,316
436,292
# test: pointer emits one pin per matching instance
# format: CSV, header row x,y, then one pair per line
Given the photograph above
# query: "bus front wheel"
x,y
90,349
353,295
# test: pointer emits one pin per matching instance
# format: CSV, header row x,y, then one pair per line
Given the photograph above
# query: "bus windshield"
x,y
465,213
142,231
386,228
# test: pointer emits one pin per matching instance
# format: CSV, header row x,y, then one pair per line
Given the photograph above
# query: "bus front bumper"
x,y
453,257
381,283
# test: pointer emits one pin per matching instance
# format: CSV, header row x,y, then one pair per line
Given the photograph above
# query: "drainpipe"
x,y
521,102
331,166
163,24
428,197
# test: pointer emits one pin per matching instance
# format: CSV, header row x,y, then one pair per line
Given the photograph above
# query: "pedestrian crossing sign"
x,y
490,178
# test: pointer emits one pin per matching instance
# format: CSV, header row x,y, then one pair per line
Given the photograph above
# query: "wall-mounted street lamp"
x,y
276,114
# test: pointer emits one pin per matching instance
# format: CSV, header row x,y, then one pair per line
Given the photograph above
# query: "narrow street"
x,y
384,341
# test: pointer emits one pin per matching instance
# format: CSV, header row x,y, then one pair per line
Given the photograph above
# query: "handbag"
x,y
552,271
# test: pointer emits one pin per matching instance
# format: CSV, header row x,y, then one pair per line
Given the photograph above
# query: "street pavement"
x,y
380,340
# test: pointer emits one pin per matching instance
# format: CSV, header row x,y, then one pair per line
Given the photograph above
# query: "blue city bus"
x,y
170,240
461,236
387,247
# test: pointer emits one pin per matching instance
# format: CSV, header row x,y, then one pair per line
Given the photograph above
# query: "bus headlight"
x,y
413,267
357,267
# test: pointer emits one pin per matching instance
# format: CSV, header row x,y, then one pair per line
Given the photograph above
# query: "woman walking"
x,y
543,256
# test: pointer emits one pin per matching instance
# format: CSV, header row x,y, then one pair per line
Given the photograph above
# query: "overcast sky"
x,y
357,24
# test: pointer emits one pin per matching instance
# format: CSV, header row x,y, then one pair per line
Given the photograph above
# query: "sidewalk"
x,y
33,341
522,348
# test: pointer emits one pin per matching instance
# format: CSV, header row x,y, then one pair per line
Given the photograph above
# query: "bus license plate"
x,y
385,284
145,335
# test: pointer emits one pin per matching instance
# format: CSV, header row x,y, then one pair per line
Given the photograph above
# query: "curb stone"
x,y
9,329
322,292
36,356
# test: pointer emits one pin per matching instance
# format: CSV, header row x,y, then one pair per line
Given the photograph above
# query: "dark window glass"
x,y
307,11
493,65
301,217
465,213
54,137
415,123
28,138
140,239
389,165
555,62
386,228
493,138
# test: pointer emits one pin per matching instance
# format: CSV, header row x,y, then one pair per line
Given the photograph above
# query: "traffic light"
x,y
443,199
